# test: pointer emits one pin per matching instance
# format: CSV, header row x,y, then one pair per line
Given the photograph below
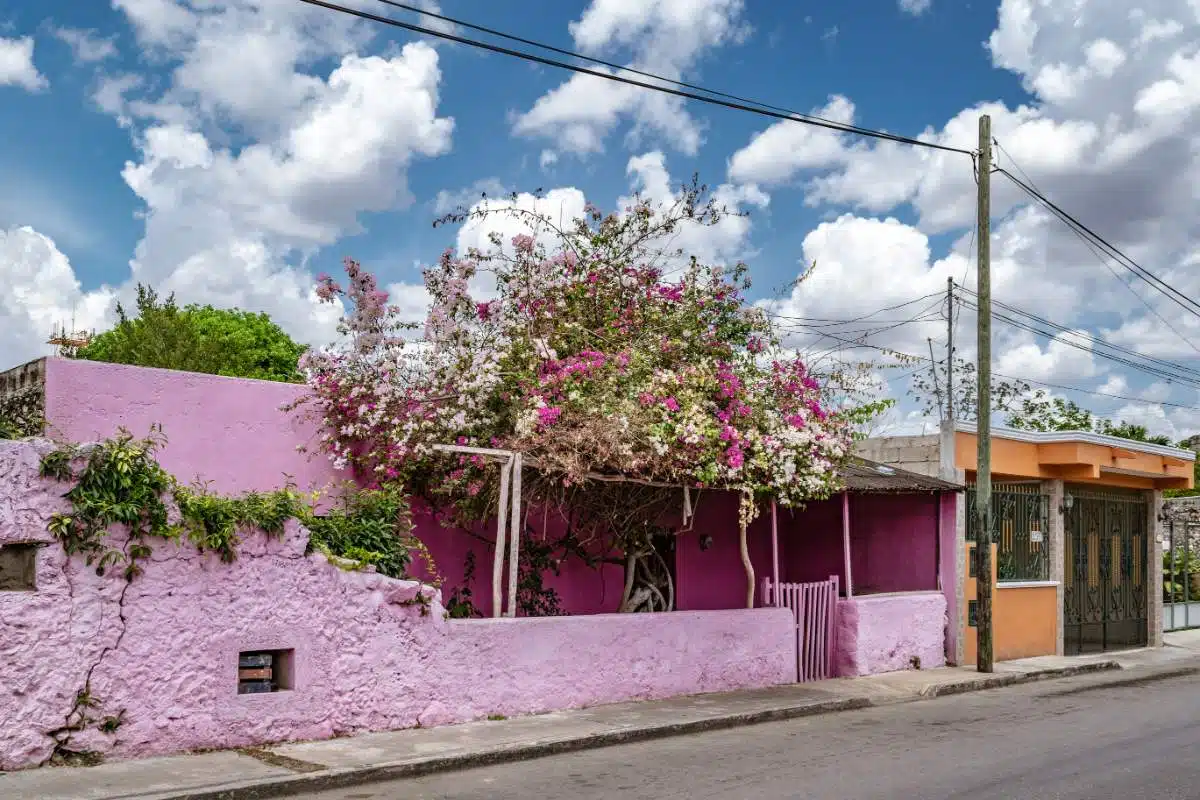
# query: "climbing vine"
x,y
119,483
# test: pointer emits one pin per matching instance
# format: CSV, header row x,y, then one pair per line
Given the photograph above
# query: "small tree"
x,y
929,387
197,338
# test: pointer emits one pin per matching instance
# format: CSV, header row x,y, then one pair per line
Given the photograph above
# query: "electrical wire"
x,y
750,106
1048,384
1173,294
1160,362
1170,376
1100,256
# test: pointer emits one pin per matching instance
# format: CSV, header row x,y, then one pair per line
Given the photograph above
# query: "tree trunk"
x,y
746,563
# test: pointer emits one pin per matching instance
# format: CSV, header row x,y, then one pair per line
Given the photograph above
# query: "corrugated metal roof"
x,y
871,477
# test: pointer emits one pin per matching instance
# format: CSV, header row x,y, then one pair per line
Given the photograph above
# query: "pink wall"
x,y
883,633
228,431
581,589
893,542
715,578
365,661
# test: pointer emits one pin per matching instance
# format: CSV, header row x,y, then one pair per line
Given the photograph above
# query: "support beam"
x,y
774,555
846,542
515,545
501,539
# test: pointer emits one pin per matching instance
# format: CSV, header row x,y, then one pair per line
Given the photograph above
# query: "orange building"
x,y
1077,557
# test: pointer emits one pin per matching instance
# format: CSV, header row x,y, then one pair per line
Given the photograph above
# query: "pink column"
x,y
774,557
846,542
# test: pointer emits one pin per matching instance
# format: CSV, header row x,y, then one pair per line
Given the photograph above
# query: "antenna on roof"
x,y
70,341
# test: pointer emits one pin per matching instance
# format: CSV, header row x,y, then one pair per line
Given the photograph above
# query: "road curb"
x,y
998,681
341,778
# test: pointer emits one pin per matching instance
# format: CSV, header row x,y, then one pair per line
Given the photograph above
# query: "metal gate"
x,y
814,607
1020,519
1181,575
1105,592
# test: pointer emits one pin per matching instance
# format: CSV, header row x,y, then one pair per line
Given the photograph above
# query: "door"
x,y
1105,591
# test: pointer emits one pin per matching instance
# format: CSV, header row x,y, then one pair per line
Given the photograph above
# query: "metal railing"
x,y
1181,576
1020,529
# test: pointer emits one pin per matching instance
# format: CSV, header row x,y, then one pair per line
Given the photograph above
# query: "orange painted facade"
x,y
1024,617
1076,462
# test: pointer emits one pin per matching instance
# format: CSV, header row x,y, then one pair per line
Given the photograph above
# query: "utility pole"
x,y
983,414
950,350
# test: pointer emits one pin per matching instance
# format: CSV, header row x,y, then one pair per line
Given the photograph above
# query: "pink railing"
x,y
814,607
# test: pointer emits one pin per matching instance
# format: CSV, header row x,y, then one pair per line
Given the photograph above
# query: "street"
x,y
1068,740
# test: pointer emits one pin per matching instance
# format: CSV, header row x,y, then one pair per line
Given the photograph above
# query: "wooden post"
x,y
515,545
774,556
949,350
501,538
846,542
983,414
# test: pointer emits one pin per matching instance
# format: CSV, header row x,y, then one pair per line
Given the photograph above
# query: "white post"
x,y
501,527
515,546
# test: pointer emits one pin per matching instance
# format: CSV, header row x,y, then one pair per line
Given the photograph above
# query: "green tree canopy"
x,y
1042,412
196,338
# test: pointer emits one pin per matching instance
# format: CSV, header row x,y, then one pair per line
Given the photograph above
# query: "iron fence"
x,y
1020,524
1181,575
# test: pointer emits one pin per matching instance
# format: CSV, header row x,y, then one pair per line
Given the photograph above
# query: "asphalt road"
x,y
1068,740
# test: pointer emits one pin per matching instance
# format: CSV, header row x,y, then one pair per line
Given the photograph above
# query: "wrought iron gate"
x,y
1105,593
1020,521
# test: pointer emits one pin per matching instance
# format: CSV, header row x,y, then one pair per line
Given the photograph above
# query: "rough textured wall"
x,y
230,432
366,658
920,454
883,633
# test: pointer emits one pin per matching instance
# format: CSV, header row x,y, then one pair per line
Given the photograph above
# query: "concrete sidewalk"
x,y
286,768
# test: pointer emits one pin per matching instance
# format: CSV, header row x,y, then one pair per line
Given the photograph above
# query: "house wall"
x,y
893,542
715,578
1024,617
885,633
229,432
920,454
162,653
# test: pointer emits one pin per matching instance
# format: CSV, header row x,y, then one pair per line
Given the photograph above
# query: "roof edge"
x,y
1061,437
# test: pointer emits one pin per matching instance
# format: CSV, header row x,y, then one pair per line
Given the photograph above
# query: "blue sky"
x,y
64,156
1066,84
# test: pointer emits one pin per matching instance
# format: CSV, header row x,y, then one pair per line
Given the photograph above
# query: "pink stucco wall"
x,y
165,654
581,589
229,432
893,542
884,633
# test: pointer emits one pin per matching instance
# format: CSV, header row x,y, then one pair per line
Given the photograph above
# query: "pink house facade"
x,y
359,654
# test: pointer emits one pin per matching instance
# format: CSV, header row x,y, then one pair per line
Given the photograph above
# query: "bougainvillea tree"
x,y
598,352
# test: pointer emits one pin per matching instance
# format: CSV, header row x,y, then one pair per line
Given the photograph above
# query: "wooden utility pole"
x,y
983,414
950,350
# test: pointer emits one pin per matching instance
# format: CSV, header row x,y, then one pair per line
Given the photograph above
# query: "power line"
x,y
1173,377
1178,297
1104,261
1048,384
1094,339
1153,366
893,307
739,105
